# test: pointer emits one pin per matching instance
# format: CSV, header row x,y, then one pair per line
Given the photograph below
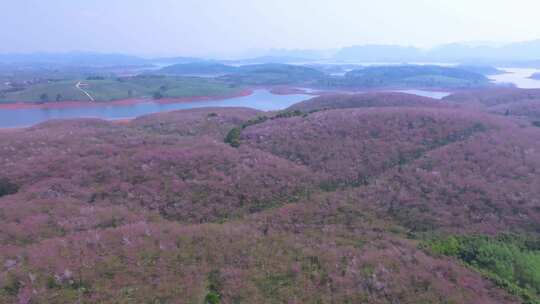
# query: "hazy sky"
x,y
210,27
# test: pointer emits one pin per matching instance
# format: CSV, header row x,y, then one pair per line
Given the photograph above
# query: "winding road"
x,y
78,86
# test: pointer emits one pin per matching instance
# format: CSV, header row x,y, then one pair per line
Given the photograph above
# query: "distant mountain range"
x,y
378,53
455,53
512,54
88,59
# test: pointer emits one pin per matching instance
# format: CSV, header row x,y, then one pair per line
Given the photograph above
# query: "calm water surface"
x,y
518,77
431,94
260,100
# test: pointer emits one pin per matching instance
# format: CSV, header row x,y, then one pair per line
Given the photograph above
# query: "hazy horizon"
x,y
235,28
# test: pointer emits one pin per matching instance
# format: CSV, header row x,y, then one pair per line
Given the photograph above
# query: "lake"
x,y
424,93
518,77
260,99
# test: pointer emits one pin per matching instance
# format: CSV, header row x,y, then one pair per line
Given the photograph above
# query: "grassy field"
x,y
120,88
66,88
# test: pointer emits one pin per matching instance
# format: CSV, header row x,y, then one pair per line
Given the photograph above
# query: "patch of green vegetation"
x,y
411,76
149,258
12,285
95,77
289,114
108,89
157,95
51,283
70,290
405,158
272,284
211,298
274,74
255,121
233,137
111,222
198,68
329,185
510,261
7,187
47,92
458,136
215,286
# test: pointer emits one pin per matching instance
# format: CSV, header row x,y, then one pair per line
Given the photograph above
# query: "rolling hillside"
x,y
357,203
274,74
520,103
198,68
414,76
366,100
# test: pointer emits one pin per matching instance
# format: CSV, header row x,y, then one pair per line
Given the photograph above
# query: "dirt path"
x,y
78,86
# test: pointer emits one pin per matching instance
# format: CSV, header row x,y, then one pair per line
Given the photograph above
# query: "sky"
x,y
235,27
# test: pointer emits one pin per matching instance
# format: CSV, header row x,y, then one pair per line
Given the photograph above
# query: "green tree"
x,y
7,187
44,97
233,137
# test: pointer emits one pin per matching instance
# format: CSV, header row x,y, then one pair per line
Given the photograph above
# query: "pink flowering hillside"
x,y
352,146
386,199
493,97
365,100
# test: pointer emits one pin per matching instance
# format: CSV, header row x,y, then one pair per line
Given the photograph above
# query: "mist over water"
x,y
519,77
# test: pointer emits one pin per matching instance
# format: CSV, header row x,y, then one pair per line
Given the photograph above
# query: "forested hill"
x,y
378,198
